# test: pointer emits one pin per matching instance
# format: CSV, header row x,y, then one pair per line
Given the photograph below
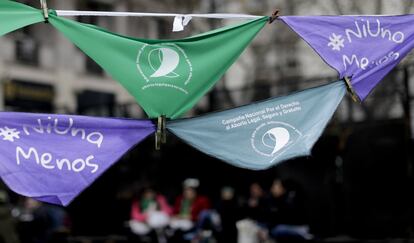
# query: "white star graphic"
x,y
336,42
9,134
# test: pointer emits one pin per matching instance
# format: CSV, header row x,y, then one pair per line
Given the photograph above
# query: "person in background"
x,y
8,232
229,211
150,213
188,206
252,227
38,222
286,214
190,211
58,223
254,205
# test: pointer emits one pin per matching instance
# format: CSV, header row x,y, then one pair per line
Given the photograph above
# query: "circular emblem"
x,y
164,65
272,138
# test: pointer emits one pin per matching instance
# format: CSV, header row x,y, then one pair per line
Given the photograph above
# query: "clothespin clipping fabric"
x,y
43,6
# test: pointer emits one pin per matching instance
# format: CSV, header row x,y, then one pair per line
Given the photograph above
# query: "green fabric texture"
x,y
166,77
185,209
146,203
15,15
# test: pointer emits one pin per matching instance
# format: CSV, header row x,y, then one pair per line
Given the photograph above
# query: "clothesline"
x,y
180,20
138,14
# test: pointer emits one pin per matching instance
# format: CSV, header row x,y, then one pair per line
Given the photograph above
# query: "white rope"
x,y
180,20
137,14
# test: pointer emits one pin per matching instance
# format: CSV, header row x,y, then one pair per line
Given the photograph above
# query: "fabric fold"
x,y
260,135
53,158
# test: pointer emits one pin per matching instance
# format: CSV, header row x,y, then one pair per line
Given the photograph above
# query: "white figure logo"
x,y
168,59
164,66
276,138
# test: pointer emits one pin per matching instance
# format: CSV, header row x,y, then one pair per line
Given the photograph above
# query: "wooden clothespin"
x,y
350,89
274,16
163,130
161,134
43,6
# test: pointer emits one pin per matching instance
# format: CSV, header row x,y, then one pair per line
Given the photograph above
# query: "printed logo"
x,y
273,138
167,61
164,65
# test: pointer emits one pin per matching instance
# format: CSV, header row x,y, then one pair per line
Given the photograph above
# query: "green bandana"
x,y
166,77
15,15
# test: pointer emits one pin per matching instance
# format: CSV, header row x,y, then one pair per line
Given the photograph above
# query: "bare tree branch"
x,y
408,5
325,8
356,7
378,7
338,7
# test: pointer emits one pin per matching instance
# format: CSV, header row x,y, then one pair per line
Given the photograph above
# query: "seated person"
x,y
229,211
189,207
149,211
8,232
286,212
252,226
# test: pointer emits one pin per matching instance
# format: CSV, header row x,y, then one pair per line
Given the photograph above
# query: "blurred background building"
x,y
359,179
62,79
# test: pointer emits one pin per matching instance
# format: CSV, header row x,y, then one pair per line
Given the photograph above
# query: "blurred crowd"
x,y
274,215
31,221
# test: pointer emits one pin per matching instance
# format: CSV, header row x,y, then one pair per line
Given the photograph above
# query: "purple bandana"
x,y
365,48
53,158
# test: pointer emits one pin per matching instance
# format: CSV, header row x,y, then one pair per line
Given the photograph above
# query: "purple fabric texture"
x,y
365,48
53,158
